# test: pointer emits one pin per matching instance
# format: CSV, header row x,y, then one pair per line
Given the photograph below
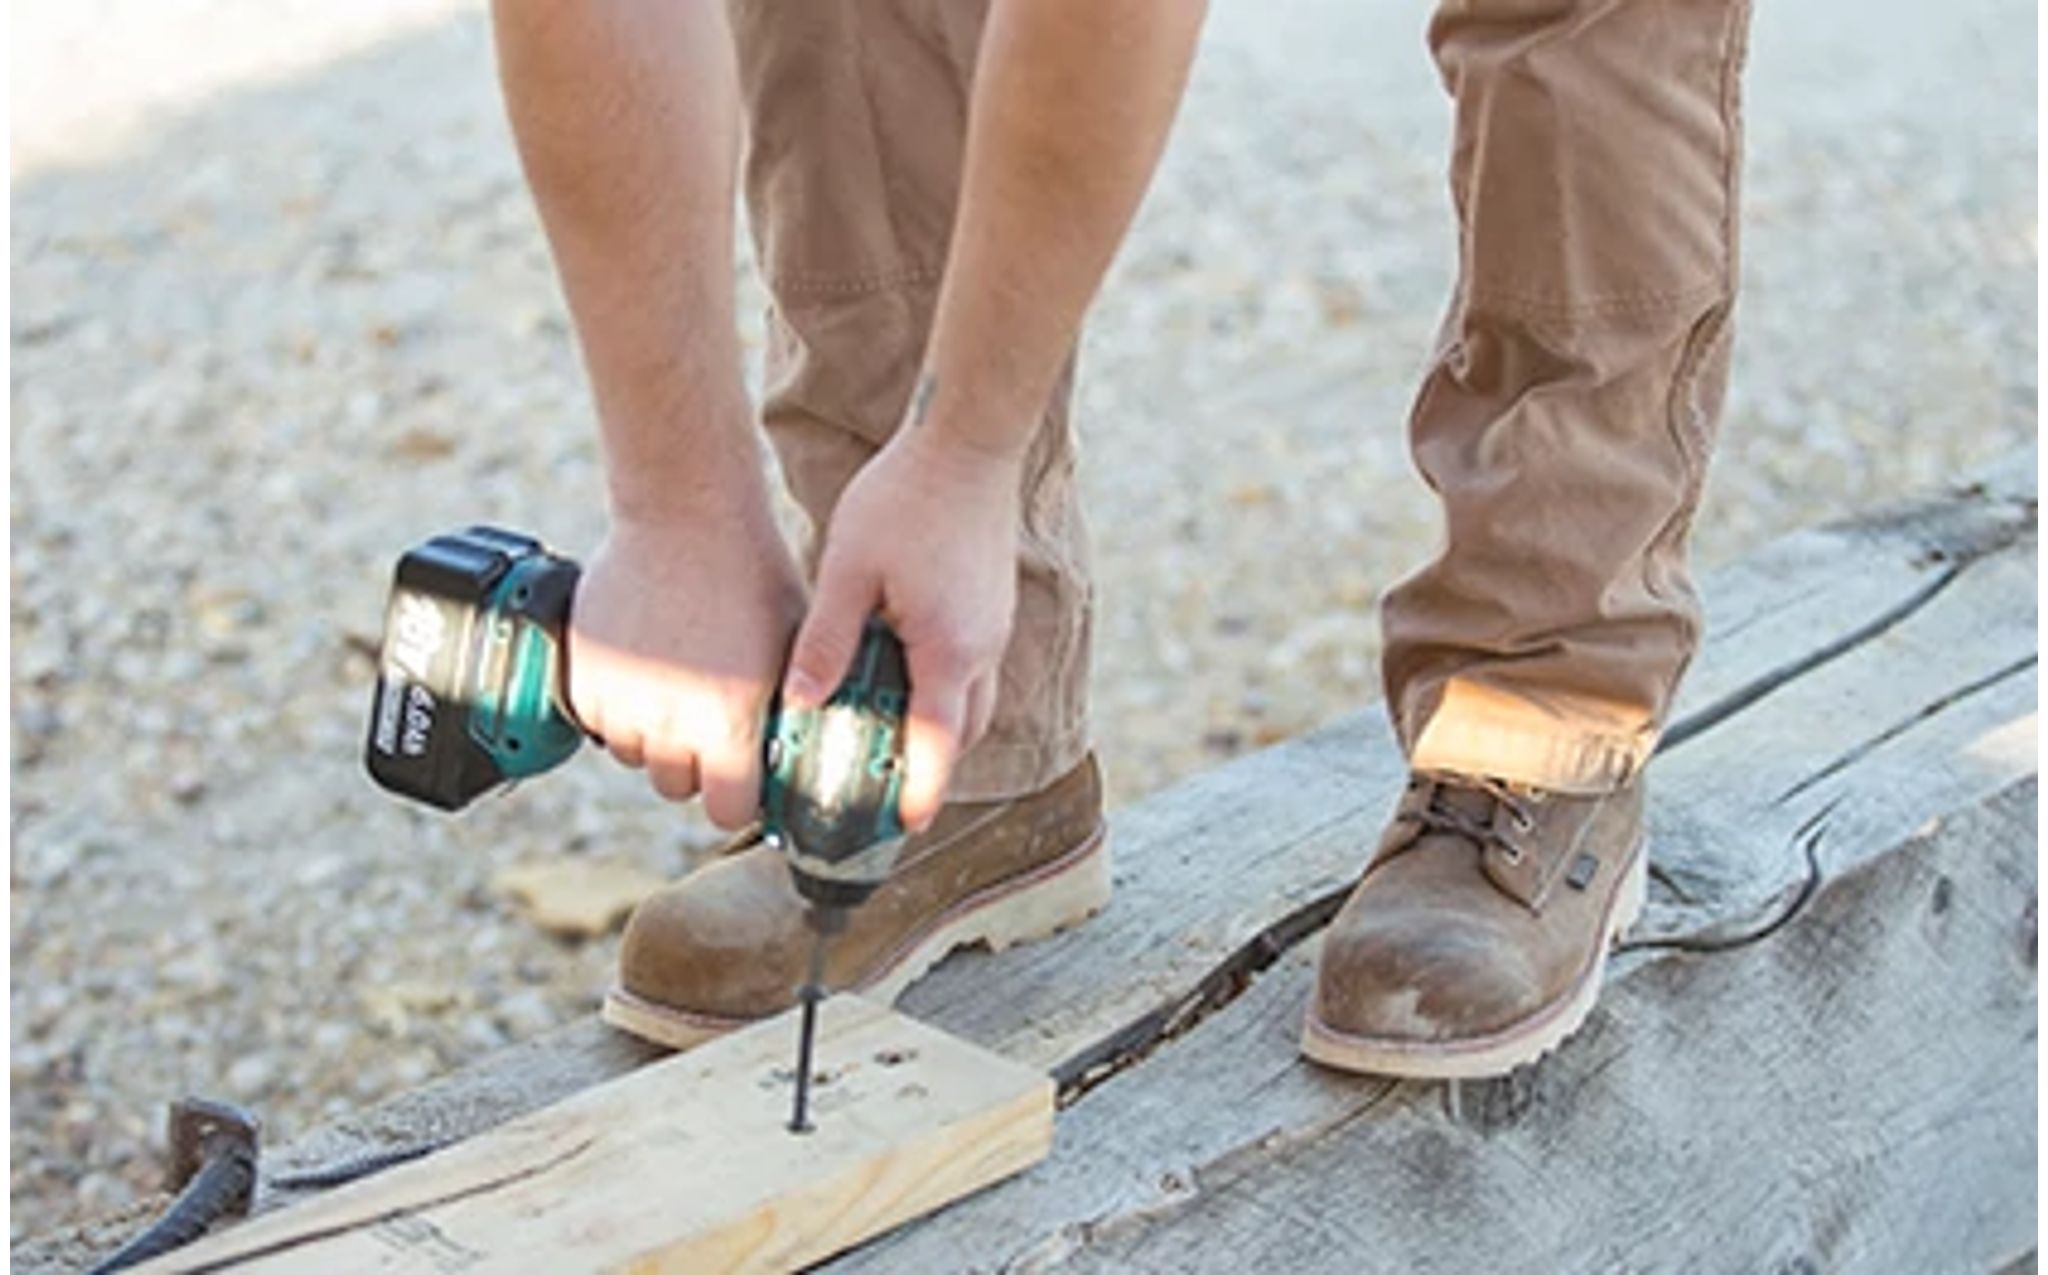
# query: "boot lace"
x,y
1432,816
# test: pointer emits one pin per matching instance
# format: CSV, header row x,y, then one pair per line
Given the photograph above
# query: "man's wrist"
x,y
708,474
970,428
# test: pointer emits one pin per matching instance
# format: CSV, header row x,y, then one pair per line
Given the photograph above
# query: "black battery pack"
x,y
419,743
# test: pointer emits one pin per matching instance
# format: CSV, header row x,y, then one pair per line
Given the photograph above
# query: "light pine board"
x,y
686,1165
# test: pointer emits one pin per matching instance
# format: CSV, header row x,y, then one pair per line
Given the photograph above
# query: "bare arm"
x,y
1072,102
626,114
1071,106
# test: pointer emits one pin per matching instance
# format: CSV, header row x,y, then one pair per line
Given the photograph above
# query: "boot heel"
x,y
1062,895
1635,893
1067,897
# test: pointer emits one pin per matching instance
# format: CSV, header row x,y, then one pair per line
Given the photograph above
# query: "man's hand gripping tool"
x,y
471,697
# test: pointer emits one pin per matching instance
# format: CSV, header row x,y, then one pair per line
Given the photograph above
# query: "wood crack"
x,y
1225,982
1900,727
1701,720
1959,551
1703,941
1662,876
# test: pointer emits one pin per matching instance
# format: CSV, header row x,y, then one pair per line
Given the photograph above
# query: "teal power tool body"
x,y
472,697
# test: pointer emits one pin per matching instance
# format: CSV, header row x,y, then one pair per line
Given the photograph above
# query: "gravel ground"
x,y
281,307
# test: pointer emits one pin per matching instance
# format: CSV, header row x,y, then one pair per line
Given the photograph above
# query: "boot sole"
x,y
1056,896
1500,1052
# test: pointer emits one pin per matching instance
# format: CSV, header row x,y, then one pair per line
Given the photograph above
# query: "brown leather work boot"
x,y
1477,938
727,944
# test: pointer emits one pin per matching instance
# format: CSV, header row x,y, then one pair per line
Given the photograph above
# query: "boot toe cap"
x,y
717,944
1423,979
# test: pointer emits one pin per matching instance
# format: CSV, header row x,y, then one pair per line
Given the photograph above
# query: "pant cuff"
x,y
1556,741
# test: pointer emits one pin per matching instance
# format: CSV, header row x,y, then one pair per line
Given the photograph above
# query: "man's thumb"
x,y
830,634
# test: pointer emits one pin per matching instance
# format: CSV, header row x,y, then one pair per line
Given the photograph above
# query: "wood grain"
x,y
686,1164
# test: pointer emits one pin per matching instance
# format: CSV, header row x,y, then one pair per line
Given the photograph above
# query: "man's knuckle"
x,y
673,781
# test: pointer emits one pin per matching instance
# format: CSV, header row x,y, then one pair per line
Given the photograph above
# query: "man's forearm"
x,y
1072,102
626,115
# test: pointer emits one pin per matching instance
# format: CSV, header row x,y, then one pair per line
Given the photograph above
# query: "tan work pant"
x,y
1565,421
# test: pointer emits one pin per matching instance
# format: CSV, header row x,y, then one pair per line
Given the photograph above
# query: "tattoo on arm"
x,y
921,401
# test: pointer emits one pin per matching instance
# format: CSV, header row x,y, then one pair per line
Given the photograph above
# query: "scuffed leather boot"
x,y
1477,938
728,944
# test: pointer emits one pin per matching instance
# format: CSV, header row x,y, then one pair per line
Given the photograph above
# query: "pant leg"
x,y
1574,396
856,119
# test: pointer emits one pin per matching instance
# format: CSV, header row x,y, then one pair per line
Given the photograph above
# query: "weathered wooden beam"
x,y
1906,639
1935,713
1854,1093
686,1164
1893,614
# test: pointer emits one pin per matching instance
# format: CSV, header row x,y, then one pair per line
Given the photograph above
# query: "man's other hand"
x,y
926,534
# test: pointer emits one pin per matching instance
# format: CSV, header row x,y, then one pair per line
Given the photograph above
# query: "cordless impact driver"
x,y
472,697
